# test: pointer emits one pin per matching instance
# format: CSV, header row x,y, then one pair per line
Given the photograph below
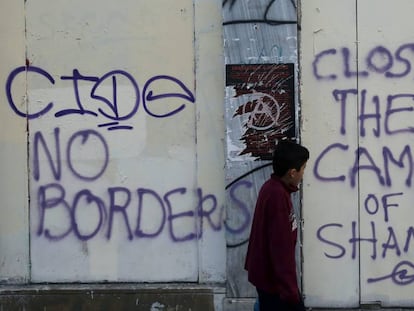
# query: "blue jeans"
x,y
272,302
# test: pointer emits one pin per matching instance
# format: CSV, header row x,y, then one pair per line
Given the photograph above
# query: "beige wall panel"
x,y
14,236
125,171
386,59
125,156
210,134
329,130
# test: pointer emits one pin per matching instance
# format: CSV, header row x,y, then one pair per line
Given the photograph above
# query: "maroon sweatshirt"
x,y
270,259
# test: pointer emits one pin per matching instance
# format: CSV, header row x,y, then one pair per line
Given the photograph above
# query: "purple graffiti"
x,y
317,168
315,65
366,113
373,205
392,243
83,138
400,275
122,203
116,204
396,106
341,96
347,71
207,214
319,234
46,203
379,60
148,193
239,204
172,216
244,209
149,96
114,207
86,199
364,162
108,107
390,111
9,85
356,240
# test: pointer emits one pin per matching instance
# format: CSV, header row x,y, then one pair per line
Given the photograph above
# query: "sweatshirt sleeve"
x,y
282,247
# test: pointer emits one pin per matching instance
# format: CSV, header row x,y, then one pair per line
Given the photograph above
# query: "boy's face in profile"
x,y
296,176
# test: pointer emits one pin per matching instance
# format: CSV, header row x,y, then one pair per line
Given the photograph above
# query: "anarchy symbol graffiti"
x,y
265,113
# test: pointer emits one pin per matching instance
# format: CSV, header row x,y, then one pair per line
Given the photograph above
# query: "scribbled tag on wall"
x,y
265,107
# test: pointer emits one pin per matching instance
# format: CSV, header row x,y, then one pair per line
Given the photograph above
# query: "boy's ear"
x,y
291,172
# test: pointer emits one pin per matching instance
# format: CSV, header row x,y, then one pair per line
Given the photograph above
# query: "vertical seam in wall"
x,y
197,216
26,98
358,144
299,122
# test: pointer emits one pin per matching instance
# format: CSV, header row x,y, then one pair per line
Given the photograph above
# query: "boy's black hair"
x,y
288,155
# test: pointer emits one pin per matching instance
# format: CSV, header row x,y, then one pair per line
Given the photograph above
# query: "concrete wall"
x,y
357,107
14,223
111,142
113,119
108,297
260,45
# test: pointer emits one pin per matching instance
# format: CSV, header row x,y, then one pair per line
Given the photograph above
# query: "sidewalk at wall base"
x,y
138,297
111,297
247,304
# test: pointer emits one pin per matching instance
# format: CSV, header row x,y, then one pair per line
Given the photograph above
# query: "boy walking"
x,y
270,259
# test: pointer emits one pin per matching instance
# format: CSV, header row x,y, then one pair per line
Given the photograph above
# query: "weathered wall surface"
x,y
14,228
111,142
260,45
357,104
112,145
